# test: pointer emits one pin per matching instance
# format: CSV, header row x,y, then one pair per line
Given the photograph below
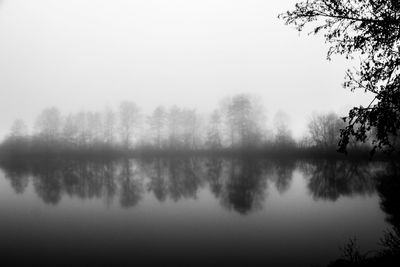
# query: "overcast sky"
x,y
87,54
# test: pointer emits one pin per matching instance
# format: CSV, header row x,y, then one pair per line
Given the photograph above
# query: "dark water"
x,y
188,211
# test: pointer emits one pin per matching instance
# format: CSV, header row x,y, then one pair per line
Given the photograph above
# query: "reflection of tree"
x,y
332,179
183,179
214,170
158,183
110,186
18,174
388,186
174,177
240,184
89,179
83,179
47,182
245,188
284,171
131,188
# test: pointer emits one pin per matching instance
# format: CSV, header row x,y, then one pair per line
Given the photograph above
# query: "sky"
x,y
88,54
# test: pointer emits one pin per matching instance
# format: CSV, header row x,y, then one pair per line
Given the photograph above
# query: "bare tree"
x,y
324,130
18,129
70,129
214,131
48,124
94,127
174,127
81,121
190,124
242,118
283,135
109,125
157,122
128,121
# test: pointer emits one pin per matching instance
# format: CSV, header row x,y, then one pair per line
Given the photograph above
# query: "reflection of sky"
x,y
87,54
289,223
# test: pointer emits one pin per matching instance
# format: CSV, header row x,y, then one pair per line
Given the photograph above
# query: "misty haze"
x,y
199,133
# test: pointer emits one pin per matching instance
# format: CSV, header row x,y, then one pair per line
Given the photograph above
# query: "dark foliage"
x,y
371,30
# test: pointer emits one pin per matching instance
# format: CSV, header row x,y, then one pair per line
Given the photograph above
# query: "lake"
x,y
191,211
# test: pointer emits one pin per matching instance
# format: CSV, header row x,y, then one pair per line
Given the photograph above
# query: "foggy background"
x,y
85,55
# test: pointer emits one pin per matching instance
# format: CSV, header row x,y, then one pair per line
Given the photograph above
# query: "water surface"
x,y
190,211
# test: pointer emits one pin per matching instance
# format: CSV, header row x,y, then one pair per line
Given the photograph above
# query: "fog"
x,y
201,133
84,55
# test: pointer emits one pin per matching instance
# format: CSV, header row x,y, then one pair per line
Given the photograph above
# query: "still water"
x,y
189,211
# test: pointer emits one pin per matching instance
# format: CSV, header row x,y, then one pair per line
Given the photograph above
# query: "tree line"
x,y
239,122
